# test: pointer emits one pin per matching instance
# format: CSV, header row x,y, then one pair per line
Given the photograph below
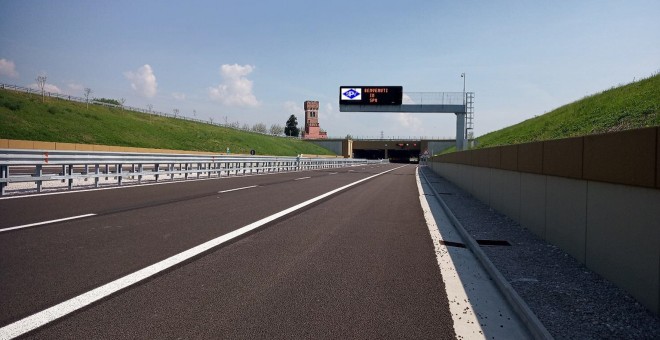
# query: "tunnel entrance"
x,y
404,156
369,154
395,151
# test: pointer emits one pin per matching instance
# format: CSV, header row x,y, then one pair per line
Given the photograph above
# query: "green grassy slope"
x,y
24,116
635,105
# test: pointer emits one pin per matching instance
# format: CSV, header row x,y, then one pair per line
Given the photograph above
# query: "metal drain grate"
x,y
493,243
480,242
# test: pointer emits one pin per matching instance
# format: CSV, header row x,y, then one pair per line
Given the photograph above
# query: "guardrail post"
x,y
4,174
38,173
156,170
140,169
86,171
96,177
107,171
120,176
70,175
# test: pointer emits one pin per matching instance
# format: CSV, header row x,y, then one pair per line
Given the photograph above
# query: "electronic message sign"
x,y
370,95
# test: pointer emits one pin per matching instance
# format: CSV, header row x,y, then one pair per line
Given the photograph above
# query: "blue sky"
x,y
258,61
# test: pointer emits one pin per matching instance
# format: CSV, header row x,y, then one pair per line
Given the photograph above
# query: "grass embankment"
x,y
631,106
24,116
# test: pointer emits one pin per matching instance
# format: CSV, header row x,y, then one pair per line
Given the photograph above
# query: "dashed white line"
x,y
243,188
48,315
46,222
301,178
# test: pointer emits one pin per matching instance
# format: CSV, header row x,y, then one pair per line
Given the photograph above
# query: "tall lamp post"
x,y
463,76
461,131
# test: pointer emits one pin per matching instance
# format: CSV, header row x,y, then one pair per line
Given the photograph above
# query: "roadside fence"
x,y
113,168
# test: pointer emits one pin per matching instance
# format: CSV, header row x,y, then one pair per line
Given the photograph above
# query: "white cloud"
x,y
293,108
179,96
143,81
409,121
7,68
236,89
75,87
47,87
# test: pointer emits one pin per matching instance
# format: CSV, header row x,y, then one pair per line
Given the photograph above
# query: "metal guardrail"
x,y
39,166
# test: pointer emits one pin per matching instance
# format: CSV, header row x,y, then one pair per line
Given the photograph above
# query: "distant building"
x,y
312,127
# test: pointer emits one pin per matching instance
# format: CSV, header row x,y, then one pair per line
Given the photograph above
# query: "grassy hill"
x,y
627,107
24,116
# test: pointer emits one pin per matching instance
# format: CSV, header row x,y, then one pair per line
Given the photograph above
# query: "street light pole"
x,y
460,122
463,76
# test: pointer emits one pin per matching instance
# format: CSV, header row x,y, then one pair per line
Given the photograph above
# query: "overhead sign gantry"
x,y
391,99
371,95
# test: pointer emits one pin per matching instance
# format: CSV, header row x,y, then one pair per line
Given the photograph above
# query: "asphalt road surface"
x,y
357,263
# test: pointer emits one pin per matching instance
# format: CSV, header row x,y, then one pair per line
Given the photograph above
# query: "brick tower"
x,y
312,127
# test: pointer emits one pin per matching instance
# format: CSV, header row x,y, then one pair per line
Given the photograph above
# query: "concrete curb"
x,y
519,305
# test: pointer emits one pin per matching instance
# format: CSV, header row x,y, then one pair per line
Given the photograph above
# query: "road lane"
x,y
46,265
36,208
357,265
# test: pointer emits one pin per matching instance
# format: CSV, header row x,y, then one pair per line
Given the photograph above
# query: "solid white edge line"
x,y
465,322
48,315
46,222
243,188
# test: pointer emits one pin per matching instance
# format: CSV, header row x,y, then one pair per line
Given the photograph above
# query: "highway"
x,y
341,253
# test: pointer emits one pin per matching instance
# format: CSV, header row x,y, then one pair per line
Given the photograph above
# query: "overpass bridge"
x,y
396,150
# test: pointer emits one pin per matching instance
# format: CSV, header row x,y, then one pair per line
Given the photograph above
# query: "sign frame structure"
x,y
370,95
460,110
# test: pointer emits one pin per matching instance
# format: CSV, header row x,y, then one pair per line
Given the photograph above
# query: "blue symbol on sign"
x,y
351,93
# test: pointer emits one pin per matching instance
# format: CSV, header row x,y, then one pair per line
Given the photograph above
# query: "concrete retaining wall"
x,y
597,197
36,145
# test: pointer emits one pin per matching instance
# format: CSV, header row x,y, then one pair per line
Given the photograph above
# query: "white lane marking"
x,y
46,222
478,308
131,185
48,315
243,188
301,178
333,173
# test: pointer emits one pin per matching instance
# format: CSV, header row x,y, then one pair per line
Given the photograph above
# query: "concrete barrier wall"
x,y
597,197
36,145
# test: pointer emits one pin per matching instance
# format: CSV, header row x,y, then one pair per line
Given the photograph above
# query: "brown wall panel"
x,y
471,159
530,157
20,144
461,157
626,157
65,146
4,143
494,157
563,157
509,157
84,147
481,157
44,145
